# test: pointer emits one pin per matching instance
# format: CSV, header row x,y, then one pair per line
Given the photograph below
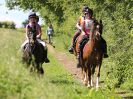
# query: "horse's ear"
x,y
101,21
95,20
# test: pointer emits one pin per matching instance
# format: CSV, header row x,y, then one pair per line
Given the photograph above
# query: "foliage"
x,y
25,23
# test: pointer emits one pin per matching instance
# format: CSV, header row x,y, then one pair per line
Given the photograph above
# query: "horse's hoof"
x,y
41,71
78,65
88,86
85,83
97,88
46,60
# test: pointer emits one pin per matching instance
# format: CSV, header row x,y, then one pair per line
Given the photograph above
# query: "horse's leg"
x,y
39,68
89,76
49,38
98,75
32,66
82,72
92,73
85,76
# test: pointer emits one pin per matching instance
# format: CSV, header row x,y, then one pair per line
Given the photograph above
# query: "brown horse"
x,y
92,56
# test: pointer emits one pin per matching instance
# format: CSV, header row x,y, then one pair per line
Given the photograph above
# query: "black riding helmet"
x,y
89,11
32,15
85,8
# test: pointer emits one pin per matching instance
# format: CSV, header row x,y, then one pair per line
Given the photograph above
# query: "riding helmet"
x,y
32,15
89,11
85,8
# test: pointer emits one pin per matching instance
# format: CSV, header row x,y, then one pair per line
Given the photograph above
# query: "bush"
x,y
7,24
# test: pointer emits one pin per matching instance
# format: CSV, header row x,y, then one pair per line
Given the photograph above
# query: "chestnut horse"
x,y
92,55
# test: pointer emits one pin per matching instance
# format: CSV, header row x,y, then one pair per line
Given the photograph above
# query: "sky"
x,y
17,16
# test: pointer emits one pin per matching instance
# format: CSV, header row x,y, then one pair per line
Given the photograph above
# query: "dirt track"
x,y
69,64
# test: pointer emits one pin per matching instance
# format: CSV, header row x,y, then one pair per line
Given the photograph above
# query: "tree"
x,y
25,23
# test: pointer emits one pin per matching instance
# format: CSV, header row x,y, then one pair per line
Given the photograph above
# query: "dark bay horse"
x,y
34,54
92,56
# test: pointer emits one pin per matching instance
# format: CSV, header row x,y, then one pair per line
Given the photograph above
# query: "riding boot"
x,y
73,41
45,56
71,49
105,55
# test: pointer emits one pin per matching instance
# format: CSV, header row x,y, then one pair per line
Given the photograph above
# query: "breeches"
x,y
39,40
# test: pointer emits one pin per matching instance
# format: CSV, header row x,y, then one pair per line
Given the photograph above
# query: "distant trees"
x,y
24,23
7,24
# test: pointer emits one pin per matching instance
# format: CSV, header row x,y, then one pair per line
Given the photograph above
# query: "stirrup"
x,y
105,55
46,60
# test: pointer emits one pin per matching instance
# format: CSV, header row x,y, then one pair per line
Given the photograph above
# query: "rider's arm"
x,y
78,25
27,31
83,27
39,31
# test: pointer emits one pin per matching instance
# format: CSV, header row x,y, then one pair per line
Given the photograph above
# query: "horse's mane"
x,y
96,26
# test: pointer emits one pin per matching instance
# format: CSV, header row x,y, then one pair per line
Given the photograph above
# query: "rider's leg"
x,y
104,47
80,50
73,40
45,50
49,39
22,46
79,53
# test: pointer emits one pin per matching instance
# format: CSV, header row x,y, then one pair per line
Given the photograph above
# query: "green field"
x,y
16,82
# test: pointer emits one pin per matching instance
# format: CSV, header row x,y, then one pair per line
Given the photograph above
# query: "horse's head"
x,y
96,30
32,38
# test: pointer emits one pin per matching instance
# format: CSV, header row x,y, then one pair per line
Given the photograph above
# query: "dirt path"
x,y
69,64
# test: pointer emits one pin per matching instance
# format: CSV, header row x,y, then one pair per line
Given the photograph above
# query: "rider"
x,y
33,26
50,31
86,28
78,25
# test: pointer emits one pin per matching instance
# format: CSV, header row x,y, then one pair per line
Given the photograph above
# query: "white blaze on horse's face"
x,y
97,30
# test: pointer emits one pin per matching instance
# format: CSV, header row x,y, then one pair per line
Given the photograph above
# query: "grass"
x,y
16,82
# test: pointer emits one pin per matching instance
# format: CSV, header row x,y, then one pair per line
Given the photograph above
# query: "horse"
x,y
34,54
92,55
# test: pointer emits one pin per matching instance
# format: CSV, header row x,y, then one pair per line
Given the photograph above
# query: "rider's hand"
x,y
38,36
